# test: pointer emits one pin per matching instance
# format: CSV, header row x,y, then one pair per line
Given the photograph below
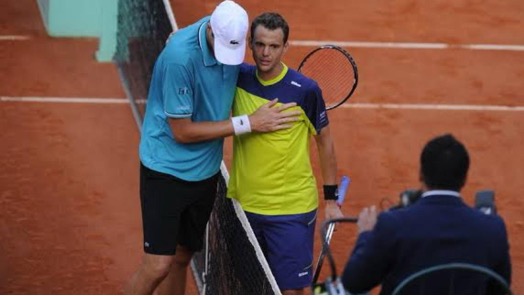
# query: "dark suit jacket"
x,y
437,229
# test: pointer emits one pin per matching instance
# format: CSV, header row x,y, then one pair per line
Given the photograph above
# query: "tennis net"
x,y
235,263
143,28
231,261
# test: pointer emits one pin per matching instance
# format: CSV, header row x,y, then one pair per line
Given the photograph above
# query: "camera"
x,y
485,202
407,198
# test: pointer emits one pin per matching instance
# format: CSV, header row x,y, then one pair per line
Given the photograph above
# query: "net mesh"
x,y
235,264
231,261
143,28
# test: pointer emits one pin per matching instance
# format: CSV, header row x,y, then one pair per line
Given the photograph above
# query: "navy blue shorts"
x,y
287,243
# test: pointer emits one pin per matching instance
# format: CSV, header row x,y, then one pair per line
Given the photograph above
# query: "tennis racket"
x,y
335,71
342,189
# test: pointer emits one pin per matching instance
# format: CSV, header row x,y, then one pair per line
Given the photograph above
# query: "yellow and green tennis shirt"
x,y
271,173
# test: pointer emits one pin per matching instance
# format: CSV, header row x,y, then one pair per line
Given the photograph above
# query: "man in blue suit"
x,y
438,228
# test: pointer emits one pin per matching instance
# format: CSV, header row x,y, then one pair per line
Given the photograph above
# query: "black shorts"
x,y
174,211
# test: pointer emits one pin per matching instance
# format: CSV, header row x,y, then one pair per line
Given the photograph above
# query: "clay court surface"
x,y
69,205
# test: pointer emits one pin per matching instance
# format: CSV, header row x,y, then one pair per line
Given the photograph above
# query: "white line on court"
x,y
362,44
65,100
432,107
407,45
13,37
346,105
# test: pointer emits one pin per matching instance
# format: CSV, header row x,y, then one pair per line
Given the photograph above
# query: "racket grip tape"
x,y
342,189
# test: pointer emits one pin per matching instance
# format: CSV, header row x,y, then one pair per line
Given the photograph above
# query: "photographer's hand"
x,y
367,219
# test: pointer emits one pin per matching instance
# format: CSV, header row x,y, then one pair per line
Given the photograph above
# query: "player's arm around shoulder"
x,y
186,131
269,117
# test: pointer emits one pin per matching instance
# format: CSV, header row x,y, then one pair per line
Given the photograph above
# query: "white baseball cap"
x,y
229,23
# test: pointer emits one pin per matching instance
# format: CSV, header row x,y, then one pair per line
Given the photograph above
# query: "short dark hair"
x,y
271,21
444,163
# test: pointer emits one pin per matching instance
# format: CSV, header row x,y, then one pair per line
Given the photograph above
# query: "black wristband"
x,y
330,192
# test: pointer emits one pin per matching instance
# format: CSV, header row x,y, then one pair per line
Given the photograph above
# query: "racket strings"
x,y
333,72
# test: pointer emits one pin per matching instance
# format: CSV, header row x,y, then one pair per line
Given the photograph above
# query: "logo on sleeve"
x,y
183,90
296,84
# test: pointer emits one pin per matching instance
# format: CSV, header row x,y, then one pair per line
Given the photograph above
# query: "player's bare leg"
x,y
175,282
152,271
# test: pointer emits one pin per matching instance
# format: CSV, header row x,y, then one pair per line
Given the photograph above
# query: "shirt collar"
x,y
440,192
276,79
208,57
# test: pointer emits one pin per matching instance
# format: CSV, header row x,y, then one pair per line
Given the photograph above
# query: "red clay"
x,y
69,207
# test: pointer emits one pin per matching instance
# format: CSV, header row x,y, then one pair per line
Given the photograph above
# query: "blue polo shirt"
x,y
187,82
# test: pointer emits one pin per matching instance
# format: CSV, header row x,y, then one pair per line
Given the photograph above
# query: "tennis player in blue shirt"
x,y
186,119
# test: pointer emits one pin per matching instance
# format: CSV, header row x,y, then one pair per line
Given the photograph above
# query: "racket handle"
x,y
342,189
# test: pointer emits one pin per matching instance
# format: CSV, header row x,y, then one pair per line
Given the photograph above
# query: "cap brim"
x,y
230,56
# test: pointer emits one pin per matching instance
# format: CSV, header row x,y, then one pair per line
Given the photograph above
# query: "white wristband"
x,y
241,124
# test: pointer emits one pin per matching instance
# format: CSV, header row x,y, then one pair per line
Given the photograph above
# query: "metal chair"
x,y
449,275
